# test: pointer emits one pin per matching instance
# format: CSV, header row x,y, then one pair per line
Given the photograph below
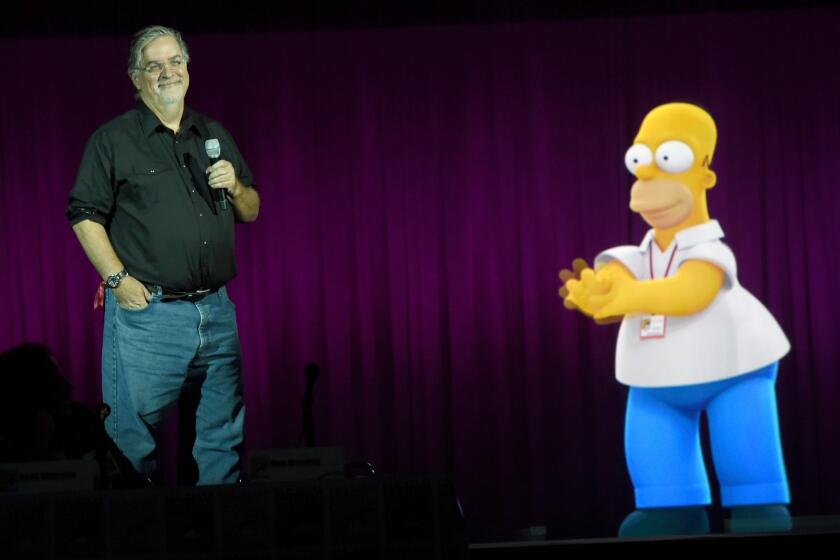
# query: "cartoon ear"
x,y
709,179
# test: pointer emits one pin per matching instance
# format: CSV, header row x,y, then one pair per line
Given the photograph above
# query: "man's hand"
x,y
245,200
132,294
222,175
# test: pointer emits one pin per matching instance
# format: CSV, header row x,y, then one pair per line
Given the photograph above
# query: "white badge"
x,y
653,326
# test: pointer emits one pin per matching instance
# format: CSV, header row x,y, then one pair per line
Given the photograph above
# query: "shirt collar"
x,y
150,122
689,237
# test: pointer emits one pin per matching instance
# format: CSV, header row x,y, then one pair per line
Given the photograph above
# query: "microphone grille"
x,y
213,148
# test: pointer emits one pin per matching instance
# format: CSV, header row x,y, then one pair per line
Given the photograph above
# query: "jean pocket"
x,y
149,303
134,310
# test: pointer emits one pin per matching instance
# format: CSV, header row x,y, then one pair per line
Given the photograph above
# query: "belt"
x,y
174,295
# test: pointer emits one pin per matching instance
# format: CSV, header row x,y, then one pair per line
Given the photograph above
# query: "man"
x,y
146,210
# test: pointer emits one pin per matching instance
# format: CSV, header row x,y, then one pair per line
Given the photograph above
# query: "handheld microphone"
x,y
214,151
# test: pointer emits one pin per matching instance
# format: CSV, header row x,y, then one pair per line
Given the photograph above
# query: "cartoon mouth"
x,y
659,211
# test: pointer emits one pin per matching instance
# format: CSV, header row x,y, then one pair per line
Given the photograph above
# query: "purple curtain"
x,y
421,188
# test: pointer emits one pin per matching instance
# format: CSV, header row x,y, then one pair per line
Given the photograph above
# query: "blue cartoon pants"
x,y
662,442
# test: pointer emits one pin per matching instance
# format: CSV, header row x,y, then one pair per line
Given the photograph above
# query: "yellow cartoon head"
x,y
671,158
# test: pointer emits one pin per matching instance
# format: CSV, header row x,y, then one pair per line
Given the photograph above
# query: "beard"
x,y
171,94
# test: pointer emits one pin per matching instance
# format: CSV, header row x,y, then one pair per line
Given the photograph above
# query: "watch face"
x,y
114,280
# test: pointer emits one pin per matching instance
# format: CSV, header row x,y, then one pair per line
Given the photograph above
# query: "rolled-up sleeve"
x,y
92,197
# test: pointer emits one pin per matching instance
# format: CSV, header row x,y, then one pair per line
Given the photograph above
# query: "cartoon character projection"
x,y
691,340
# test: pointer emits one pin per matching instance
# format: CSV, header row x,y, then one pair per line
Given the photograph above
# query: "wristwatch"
x,y
114,280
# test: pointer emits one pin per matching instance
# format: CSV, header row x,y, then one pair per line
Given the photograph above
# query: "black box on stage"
x,y
335,518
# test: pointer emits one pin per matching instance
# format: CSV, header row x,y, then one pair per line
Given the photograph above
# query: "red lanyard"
x,y
670,261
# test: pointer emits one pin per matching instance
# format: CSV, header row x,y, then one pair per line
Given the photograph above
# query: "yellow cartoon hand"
x,y
583,290
578,266
619,299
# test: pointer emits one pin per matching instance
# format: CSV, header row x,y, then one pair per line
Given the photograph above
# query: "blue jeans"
x,y
148,355
662,442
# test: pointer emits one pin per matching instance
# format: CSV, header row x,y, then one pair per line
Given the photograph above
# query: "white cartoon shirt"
x,y
734,335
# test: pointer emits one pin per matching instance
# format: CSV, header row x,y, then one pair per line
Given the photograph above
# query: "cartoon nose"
x,y
646,172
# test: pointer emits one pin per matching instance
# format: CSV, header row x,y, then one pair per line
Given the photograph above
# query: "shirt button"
x,y
200,215
205,243
193,190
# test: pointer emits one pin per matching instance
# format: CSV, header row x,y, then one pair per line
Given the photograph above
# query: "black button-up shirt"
x,y
146,186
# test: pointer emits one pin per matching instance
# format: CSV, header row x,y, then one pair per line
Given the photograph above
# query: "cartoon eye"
x,y
637,155
674,156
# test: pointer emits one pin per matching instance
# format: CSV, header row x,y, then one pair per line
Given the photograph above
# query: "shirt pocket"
x,y
143,186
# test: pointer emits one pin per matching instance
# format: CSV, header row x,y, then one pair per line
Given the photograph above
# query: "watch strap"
x,y
114,280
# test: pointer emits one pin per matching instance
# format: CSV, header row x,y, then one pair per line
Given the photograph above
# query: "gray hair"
x,y
145,36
